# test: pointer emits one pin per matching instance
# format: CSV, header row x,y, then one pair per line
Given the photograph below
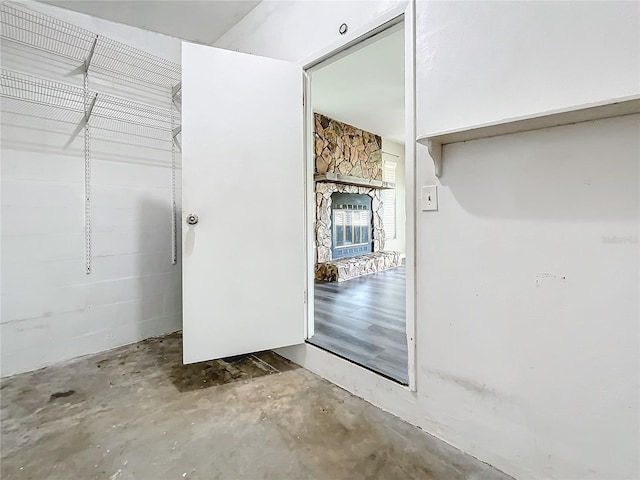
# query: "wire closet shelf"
x,y
120,113
40,91
115,67
21,25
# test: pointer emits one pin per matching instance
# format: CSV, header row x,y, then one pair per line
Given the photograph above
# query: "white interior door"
x,y
243,176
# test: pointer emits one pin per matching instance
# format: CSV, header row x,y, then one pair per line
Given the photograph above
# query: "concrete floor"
x,y
136,413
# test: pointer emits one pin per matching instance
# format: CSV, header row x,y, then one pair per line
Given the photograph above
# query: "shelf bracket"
x,y
87,114
176,131
87,61
435,151
175,89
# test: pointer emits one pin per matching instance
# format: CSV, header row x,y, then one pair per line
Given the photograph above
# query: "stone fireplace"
x,y
350,224
325,247
349,202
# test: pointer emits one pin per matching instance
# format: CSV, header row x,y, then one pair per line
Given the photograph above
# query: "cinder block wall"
x,y
51,309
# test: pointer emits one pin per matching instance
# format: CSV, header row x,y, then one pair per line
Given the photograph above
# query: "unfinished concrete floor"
x,y
136,413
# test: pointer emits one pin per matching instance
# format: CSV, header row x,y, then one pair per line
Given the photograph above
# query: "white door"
x,y
243,176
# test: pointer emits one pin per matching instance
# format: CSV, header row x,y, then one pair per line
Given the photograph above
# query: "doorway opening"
x,y
359,204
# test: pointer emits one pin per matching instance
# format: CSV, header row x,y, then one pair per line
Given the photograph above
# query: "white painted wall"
x,y
527,276
486,62
256,34
52,310
399,243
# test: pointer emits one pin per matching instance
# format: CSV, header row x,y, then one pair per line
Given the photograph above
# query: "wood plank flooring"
x,y
364,320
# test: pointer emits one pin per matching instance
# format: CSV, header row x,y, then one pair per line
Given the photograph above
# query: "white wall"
x,y
527,276
255,33
398,243
485,62
52,310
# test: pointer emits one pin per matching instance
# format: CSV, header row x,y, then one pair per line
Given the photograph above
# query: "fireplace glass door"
x,y
351,220
351,227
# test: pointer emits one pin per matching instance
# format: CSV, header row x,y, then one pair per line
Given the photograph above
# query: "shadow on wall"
x,y
53,310
159,281
576,172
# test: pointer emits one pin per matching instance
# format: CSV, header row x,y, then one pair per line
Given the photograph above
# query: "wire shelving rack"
x,y
22,25
100,58
40,91
122,113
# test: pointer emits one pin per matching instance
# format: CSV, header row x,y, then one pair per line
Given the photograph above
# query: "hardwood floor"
x,y
364,320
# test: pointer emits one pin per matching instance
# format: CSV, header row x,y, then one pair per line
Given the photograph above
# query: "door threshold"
x,y
367,367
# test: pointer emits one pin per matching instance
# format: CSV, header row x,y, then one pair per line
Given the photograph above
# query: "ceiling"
x,y
365,88
195,21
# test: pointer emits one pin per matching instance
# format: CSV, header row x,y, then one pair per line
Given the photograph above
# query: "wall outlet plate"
x,y
429,198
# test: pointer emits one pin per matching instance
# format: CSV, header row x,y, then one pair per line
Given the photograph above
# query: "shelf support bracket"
x,y
176,131
435,151
175,89
87,114
87,61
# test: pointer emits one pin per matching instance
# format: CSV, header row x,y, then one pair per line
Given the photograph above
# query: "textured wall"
x,y
345,149
535,378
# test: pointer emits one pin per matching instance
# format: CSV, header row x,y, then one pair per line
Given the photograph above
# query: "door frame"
x,y
402,14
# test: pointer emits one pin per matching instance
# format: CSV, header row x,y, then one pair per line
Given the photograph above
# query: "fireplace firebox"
x,y
351,225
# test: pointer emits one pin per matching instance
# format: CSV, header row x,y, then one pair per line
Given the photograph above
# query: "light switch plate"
x,y
429,198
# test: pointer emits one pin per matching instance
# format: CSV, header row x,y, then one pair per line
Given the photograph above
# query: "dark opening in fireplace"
x,y
351,224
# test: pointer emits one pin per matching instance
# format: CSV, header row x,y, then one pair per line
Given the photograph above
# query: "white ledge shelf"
x,y
583,113
350,180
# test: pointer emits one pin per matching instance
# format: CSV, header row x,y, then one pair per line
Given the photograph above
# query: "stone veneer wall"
x,y
348,268
347,150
